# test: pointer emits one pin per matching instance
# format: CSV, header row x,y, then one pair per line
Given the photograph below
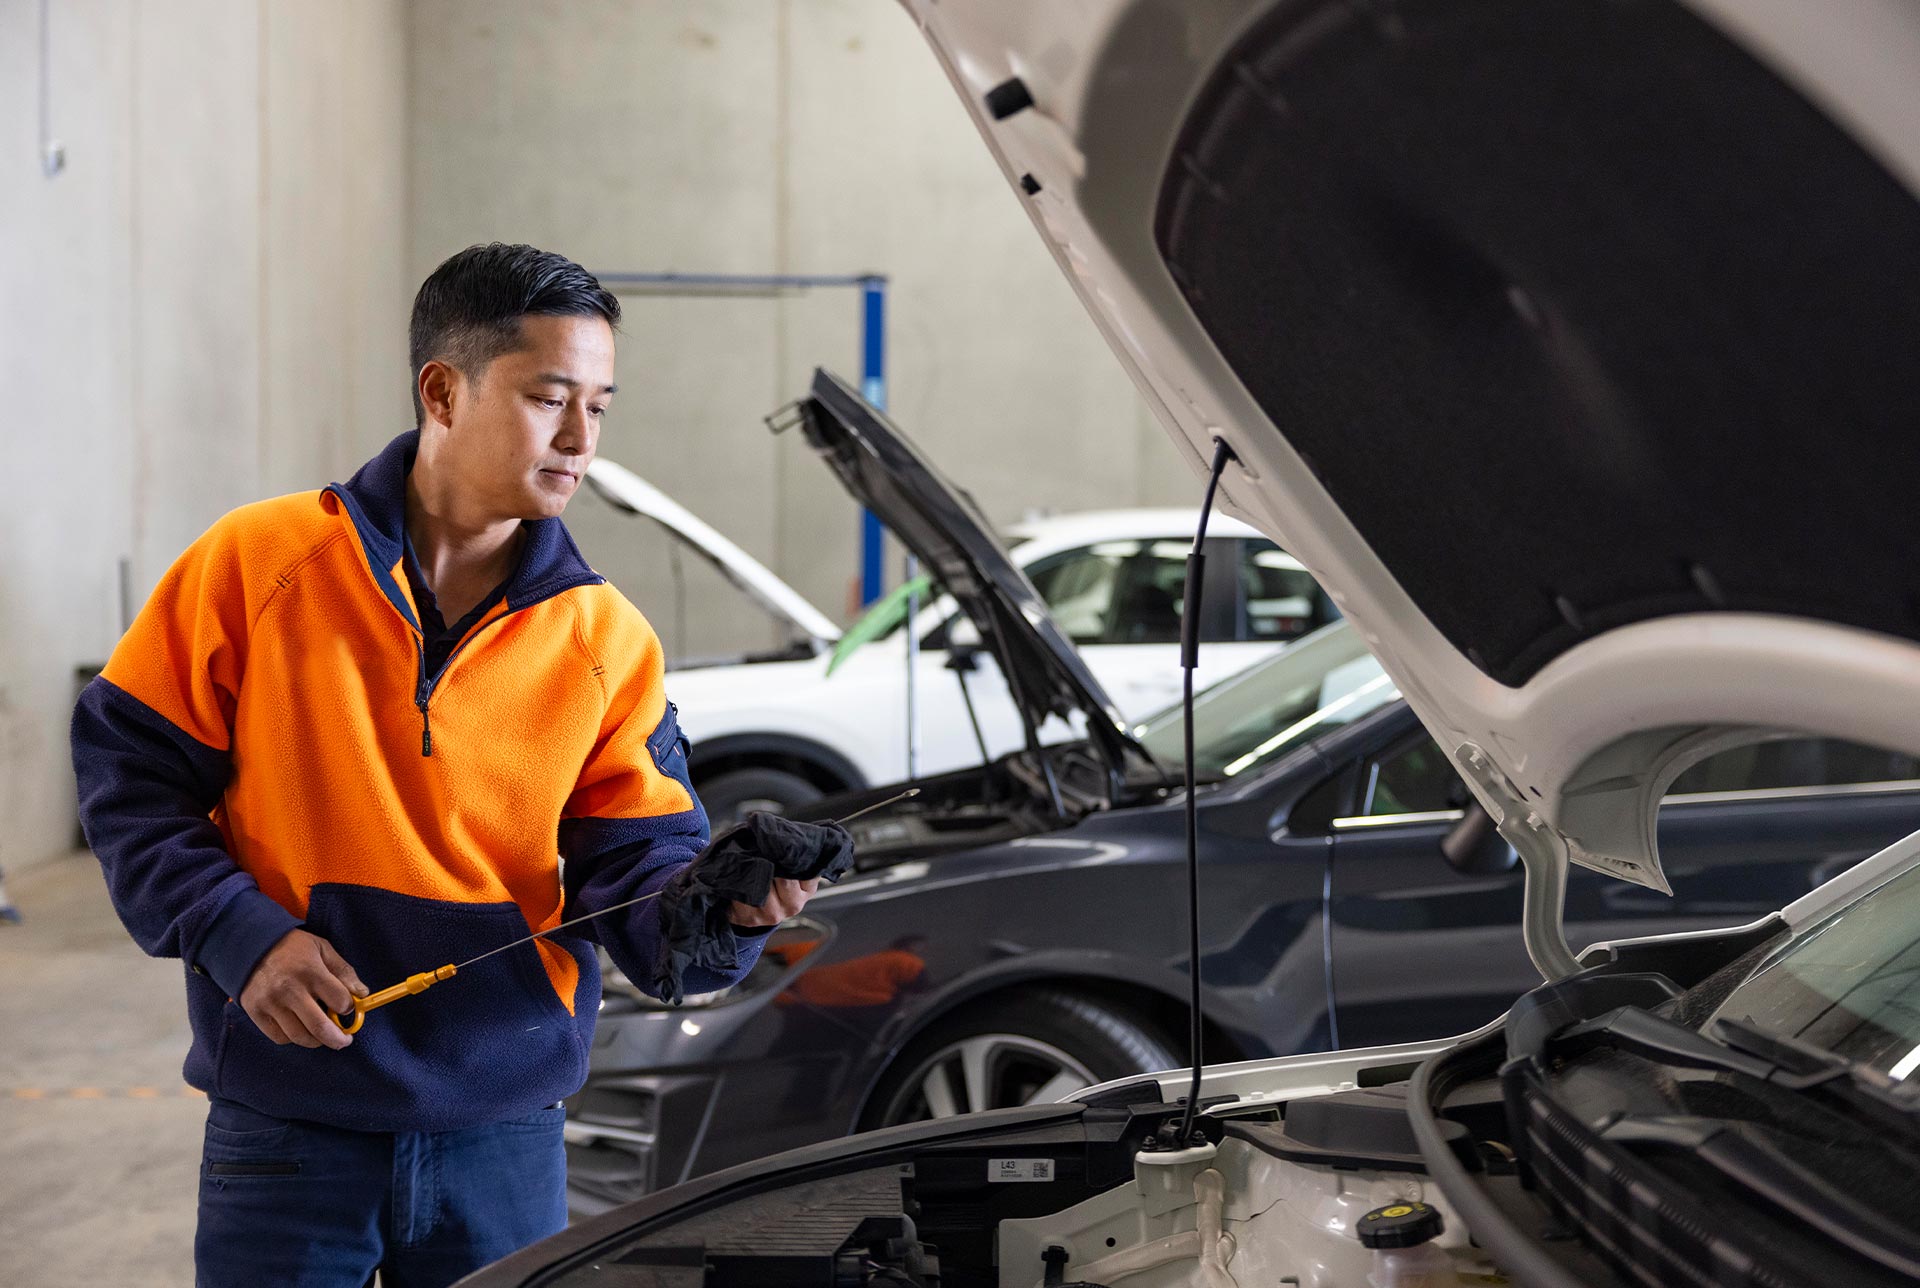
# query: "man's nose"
x,y
576,431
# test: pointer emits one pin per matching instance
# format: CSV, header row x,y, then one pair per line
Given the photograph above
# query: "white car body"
x,y
851,725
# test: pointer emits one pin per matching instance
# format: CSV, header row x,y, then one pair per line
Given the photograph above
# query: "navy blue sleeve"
x,y
616,872
147,789
608,861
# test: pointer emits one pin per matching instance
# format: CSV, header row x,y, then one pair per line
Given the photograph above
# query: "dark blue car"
x,y
1016,932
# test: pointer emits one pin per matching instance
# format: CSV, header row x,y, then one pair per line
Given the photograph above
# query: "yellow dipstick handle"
x,y
427,979
413,984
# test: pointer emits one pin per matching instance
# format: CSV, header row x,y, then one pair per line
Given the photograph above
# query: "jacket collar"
x,y
376,500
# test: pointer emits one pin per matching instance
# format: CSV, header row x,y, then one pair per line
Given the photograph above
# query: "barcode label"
x,y
1019,1169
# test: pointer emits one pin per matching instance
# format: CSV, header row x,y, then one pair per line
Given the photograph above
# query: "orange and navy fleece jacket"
x,y
264,751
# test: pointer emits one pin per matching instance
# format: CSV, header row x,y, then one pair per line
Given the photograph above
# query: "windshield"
x,y
1851,984
1317,683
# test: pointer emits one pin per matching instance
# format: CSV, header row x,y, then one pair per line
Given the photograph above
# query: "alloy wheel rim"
x,y
1000,1069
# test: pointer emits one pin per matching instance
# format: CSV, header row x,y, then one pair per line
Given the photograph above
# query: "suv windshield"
x,y
1850,984
1254,718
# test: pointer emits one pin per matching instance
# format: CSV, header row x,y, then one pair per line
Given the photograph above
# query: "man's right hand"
x,y
297,989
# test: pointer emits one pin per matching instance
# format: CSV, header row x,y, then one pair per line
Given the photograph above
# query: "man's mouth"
x,y
564,474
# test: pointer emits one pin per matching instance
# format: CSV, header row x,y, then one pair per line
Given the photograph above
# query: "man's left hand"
x,y
785,900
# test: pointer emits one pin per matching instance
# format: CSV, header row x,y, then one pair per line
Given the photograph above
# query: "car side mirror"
x,y
1474,847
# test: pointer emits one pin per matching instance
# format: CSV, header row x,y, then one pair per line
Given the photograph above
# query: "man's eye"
x,y
551,404
596,411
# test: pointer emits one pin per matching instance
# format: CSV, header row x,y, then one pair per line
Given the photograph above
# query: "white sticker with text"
x,y
1019,1169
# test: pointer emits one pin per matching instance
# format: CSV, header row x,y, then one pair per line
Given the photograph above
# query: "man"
x,y
363,732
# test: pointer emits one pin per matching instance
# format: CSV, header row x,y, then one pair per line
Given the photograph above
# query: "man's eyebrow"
x,y
553,378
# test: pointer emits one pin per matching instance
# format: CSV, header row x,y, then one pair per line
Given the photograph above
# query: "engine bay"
x,y
1022,794
1073,1195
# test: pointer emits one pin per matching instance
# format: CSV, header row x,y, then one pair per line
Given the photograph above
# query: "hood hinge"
x,y
1543,853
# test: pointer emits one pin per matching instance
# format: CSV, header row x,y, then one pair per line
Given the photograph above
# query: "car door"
x,y
967,714
1422,950
870,691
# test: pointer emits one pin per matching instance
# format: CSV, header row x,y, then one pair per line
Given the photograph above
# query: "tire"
x,y
728,796
1030,1049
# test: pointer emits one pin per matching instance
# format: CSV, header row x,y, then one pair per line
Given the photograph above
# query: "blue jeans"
x,y
298,1203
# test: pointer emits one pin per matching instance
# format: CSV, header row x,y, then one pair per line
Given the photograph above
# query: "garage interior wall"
x,y
206,307
771,136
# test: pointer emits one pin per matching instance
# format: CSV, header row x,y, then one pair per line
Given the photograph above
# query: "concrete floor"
x,y
99,1138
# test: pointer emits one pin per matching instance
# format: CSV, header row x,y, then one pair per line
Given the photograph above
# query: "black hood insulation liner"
x,y
1580,313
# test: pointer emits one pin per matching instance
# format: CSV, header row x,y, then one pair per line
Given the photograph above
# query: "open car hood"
x,y
941,524
622,488
1570,346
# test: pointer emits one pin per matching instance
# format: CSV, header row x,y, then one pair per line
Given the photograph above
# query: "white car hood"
x,y
622,487
1570,346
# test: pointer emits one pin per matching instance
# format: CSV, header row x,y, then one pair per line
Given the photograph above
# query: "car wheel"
x,y
729,796
1031,1050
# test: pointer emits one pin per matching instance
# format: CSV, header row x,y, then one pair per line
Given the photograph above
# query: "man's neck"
x,y
461,555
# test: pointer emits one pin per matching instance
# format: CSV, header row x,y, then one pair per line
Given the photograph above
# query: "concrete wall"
x,y
771,136
207,306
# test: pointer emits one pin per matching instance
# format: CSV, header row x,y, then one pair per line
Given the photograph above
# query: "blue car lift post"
x,y
873,387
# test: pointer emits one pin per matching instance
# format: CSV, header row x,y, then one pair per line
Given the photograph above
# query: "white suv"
x,y
777,734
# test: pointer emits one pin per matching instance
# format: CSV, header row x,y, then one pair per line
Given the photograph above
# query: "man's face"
x,y
522,433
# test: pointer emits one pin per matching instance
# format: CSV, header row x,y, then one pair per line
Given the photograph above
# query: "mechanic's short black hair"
x,y
468,310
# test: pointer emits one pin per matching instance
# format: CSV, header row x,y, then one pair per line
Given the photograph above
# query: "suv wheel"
x,y
728,796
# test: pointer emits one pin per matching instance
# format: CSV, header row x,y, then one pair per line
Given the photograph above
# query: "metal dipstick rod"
x,y
427,979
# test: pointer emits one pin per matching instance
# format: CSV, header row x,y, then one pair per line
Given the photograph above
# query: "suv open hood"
x,y
1570,346
941,524
622,488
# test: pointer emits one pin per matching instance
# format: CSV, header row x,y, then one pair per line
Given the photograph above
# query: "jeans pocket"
x,y
287,1167
549,1119
244,1142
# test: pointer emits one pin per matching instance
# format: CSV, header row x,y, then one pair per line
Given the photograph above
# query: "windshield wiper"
x,y
1896,1103
1773,1058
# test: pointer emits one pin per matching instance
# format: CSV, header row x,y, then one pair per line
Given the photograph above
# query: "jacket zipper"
x,y
423,692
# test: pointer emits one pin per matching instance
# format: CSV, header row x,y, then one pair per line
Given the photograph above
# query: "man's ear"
x,y
440,386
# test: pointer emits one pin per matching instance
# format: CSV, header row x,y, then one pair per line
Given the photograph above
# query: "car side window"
x,y
1415,779
1418,778
1127,592
1794,763
1279,600
1078,586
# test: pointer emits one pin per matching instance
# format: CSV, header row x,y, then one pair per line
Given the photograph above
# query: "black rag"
x,y
738,866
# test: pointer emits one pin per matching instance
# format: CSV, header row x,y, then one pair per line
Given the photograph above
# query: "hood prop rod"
x,y
1018,688
1189,661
